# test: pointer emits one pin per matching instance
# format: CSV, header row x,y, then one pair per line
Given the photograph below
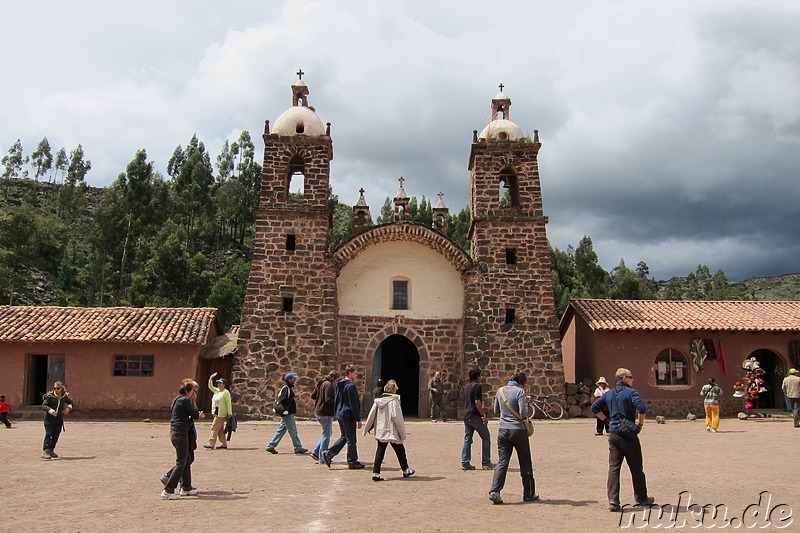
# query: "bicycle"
x,y
551,410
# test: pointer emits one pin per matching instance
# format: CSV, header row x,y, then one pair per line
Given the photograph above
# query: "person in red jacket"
x,y
5,409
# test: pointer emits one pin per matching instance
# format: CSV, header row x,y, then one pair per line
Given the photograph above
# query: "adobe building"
x,y
399,300
116,362
663,344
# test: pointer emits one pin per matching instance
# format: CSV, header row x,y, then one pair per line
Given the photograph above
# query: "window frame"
x,y
131,360
393,294
672,356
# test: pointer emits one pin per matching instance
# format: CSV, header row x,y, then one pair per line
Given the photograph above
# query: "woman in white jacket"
x,y
386,418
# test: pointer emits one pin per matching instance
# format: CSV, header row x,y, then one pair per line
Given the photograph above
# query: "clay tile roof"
x,y
107,324
681,315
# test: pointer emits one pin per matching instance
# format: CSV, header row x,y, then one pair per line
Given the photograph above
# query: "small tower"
x,y
440,212
288,317
361,213
400,202
511,317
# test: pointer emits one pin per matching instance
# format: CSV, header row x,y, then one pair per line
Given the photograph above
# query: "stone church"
x,y
400,300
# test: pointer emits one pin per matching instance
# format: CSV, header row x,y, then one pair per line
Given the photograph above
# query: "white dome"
x,y
501,130
299,120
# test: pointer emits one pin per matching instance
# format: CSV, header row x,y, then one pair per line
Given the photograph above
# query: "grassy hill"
x,y
774,288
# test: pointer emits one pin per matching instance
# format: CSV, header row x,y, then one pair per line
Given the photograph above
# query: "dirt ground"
x,y
107,479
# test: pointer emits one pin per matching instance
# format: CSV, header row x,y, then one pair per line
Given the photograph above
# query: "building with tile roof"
x,y
115,361
673,347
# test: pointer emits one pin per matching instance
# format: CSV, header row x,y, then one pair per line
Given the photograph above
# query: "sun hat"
x,y
601,380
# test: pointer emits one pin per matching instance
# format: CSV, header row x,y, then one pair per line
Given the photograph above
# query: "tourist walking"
x,y
602,387
323,410
5,411
710,393
386,418
475,420
791,389
436,390
56,404
628,410
222,410
288,409
512,406
347,411
183,413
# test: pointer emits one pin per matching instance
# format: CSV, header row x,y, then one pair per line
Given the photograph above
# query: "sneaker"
x,y
46,456
495,498
533,498
648,501
208,446
467,467
355,466
301,451
271,450
376,477
222,447
52,454
713,430
614,507
409,473
314,456
190,492
326,456
488,466
708,428
169,495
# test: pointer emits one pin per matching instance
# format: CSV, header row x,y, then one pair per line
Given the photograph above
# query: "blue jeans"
x,y
348,429
472,425
287,424
322,444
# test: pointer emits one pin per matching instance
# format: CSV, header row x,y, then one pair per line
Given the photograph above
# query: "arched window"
x,y
508,190
672,368
295,184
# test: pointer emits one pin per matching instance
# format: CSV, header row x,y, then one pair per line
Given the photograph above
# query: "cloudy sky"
x,y
670,130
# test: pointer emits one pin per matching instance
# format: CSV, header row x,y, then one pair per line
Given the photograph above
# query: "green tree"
x,y
225,162
42,159
193,180
387,212
343,227
13,164
228,297
62,161
458,228
594,277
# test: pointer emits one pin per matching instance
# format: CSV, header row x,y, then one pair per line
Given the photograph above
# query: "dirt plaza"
x,y
107,479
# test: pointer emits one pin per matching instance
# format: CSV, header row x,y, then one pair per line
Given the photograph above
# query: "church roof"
x,y
107,324
671,315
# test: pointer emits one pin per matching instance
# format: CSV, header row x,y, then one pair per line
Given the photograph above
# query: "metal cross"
x,y
300,74
501,87
401,180
440,195
361,190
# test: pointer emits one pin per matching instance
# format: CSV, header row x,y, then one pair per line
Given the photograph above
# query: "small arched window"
x,y
508,189
672,368
295,183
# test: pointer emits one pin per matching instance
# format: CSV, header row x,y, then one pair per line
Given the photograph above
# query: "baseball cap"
x,y
793,371
289,376
222,380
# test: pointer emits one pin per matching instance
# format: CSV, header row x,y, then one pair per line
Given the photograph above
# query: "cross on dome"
x,y
501,87
300,75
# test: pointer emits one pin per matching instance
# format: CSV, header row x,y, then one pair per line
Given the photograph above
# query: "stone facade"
x,y
291,320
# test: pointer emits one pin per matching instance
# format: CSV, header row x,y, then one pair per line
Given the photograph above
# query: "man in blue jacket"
x,y
623,400
347,411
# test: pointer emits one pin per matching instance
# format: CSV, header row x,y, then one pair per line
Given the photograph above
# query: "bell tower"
x,y
288,319
510,318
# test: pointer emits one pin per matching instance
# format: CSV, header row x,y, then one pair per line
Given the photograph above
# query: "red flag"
x,y
721,357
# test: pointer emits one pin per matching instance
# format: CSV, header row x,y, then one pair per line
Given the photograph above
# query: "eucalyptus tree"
x,y
42,159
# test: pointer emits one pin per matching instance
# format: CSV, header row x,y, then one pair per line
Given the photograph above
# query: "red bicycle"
x,y
551,410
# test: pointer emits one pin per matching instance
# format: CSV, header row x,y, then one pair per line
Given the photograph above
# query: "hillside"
x,y
774,288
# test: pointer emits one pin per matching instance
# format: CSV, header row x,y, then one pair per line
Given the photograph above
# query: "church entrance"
x,y
397,358
773,377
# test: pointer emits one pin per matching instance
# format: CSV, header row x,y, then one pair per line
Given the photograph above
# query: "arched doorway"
x,y
397,358
773,377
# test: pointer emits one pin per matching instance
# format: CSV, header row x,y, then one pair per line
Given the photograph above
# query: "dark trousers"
x,y
184,457
348,429
507,441
437,407
601,424
630,449
399,451
52,430
4,419
795,411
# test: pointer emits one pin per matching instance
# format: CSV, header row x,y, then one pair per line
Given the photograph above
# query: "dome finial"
x,y
300,75
501,87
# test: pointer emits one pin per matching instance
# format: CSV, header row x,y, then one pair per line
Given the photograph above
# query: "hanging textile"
x,y
721,357
698,353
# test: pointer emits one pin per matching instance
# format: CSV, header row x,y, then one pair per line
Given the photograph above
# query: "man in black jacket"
x,y
287,402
